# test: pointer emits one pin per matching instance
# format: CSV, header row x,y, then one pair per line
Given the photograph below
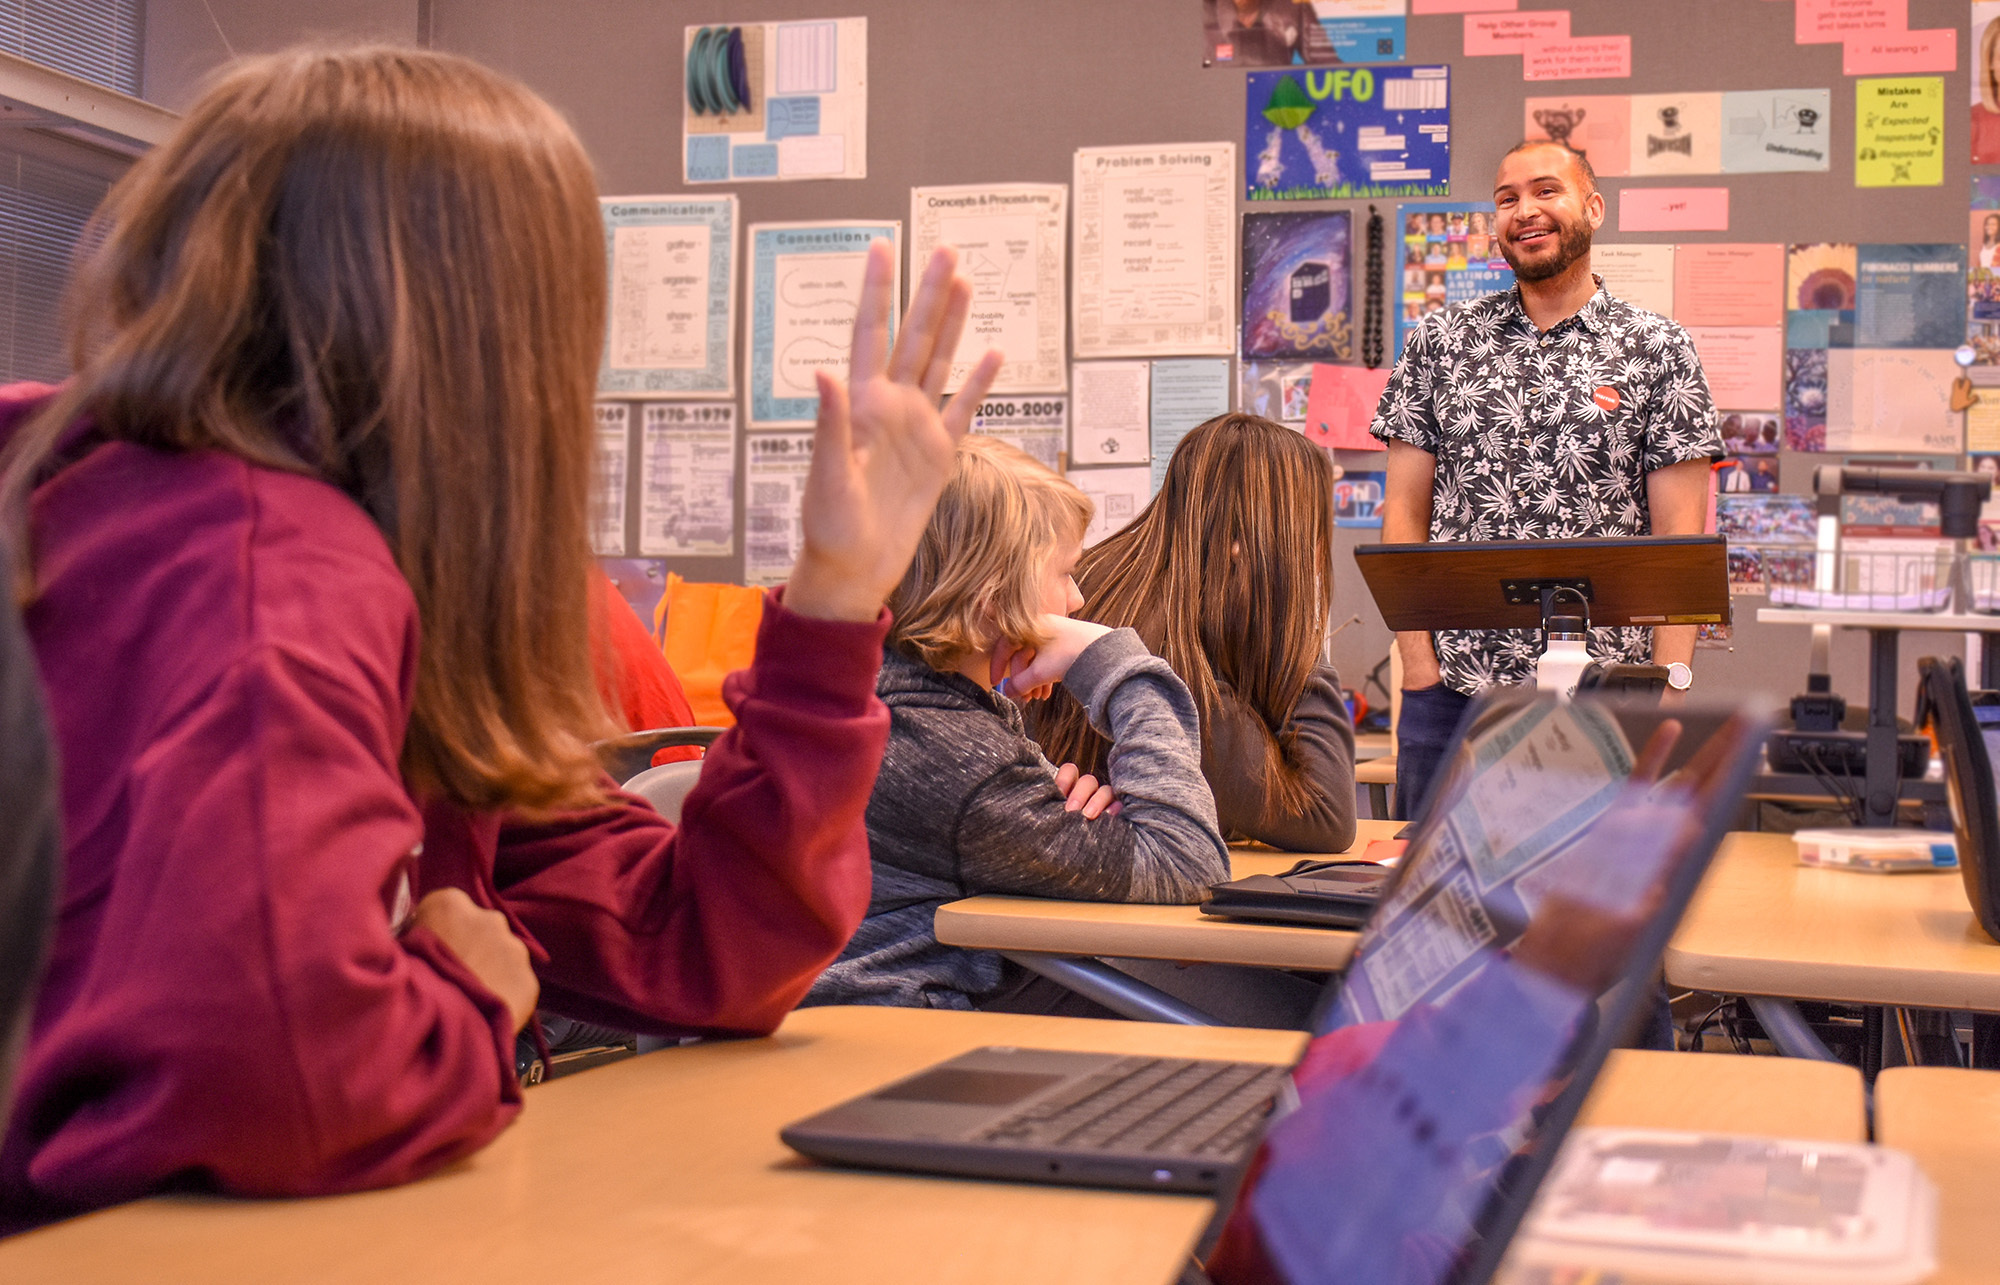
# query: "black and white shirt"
x,y
1544,437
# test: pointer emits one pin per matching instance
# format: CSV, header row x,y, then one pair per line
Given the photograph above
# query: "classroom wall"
x,y
983,91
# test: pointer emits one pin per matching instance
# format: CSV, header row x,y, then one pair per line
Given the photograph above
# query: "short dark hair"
x,y
1582,161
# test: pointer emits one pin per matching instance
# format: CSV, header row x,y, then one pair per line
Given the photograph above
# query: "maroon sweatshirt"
x,y
230,655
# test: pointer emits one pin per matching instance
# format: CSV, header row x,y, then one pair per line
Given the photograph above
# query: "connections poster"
x,y
1347,133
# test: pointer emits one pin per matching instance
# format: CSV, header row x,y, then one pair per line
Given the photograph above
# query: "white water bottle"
x,y
1566,656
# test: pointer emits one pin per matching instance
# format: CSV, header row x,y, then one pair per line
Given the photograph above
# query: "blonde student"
x,y
1228,575
966,803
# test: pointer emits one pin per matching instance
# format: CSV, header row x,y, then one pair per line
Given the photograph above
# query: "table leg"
x,y
1788,1030
1872,1030
1124,995
1378,802
1884,776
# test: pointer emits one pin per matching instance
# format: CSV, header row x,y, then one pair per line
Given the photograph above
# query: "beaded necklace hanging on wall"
x,y
1371,306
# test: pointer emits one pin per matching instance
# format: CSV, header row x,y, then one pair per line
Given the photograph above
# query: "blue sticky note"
x,y
755,160
784,117
708,159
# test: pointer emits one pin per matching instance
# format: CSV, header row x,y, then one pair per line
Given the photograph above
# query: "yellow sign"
x,y
1899,132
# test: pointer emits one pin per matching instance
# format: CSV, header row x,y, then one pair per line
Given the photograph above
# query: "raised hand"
x,y
883,450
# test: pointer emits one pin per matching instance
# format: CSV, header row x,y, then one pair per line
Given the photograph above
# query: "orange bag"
x,y
708,631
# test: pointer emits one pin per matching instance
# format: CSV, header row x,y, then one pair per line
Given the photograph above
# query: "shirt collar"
x,y
1590,318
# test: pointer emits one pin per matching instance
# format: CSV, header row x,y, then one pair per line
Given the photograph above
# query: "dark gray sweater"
x,y
1323,748
967,804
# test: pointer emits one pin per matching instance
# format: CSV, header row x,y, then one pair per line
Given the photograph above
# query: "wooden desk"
x,y
1762,924
1950,1121
668,1168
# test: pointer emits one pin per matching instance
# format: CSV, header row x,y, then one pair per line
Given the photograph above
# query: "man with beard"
x,y
1550,411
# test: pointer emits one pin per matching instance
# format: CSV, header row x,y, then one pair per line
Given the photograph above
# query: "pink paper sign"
x,y
1463,6
1729,285
1584,58
1673,209
1507,33
1598,125
1744,364
1821,22
1901,53
1342,404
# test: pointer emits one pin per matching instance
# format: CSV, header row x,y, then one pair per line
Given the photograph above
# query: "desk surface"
x,y
1947,1119
1762,924
1155,932
668,1167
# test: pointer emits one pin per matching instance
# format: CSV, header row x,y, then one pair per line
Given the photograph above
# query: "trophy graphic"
x,y
1559,124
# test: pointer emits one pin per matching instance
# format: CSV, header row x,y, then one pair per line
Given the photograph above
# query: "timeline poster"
x,y
1910,296
805,283
1185,394
1011,245
806,109
672,323
1038,426
1155,231
1899,131
1450,255
774,489
607,500
1347,133
687,479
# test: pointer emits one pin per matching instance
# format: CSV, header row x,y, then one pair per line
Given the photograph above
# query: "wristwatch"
x,y
1679,677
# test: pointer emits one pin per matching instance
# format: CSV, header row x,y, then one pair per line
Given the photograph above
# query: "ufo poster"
x,y
1297,281
1346,133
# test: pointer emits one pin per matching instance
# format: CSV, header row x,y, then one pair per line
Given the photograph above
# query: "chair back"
x,y
30,832
666,787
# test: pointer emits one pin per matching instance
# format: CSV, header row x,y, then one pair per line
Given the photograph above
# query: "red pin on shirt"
x,y
1606,398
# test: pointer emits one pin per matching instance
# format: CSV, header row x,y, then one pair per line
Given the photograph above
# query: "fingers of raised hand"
x,y
869,355
964,404
925,320
958,302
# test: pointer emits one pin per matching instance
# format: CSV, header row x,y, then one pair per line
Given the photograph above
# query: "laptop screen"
x,y
1515,948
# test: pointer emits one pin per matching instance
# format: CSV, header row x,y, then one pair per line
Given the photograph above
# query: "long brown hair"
x,y
383,268
1228,576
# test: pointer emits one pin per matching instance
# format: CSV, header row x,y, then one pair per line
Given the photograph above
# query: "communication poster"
x,y
1155,232
1012,245
1347,133
1297,280
776,100
805,283
672,323
687,479
774,486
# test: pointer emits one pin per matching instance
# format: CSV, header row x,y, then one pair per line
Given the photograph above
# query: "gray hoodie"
x,y
967,804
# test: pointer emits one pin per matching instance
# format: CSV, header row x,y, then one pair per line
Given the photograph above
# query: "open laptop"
x,y
1968,740
1544,799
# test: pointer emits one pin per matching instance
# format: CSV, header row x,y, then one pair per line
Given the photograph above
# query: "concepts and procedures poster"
x,y
805,283
672,321
776,100
1347,133
1012,245
687,479
1155,235
774,488
1297,277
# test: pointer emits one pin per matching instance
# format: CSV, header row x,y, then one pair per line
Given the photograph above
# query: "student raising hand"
x,y
883,450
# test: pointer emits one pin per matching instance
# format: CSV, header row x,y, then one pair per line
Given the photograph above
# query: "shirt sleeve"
x,y
1680,419
1322,750
1407,412
722,923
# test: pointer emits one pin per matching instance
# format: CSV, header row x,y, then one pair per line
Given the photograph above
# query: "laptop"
x,y
1547,803
1968,740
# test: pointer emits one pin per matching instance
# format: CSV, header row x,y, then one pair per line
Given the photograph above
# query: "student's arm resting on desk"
x,y
723,923
1323,751
1015,835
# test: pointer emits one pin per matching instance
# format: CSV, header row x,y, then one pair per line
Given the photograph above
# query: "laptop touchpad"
x,y
968,1087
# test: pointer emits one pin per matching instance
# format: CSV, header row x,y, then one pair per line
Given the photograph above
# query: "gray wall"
x,y
1005,90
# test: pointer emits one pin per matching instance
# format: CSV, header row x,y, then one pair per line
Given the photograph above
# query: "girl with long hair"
x,y
1228,576
306,571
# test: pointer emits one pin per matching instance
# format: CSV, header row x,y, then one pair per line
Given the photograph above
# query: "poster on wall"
x,y
1908,296
1983,276
805,283
1297,283
1155,245
1284,33
774,490
1820,295
687,479
1117,495
1450,255
1892,399
1596,126
671,305
766,101
1985,78
1805,399
607,497
1777,130
1277,390
1038,426
1899,131
1012,246
1347,133
1676,133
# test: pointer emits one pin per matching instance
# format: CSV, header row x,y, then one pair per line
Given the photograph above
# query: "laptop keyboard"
x,y
1165,1106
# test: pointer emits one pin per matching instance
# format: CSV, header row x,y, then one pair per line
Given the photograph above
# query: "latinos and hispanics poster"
x,y
776,465
1297,278
1277,390
1985,78
1676,134
1983,277
1772,130
1892,399
1599,126
1820,295
1155,233
671,322
1450,255
1110,423
687,479
805,283
1281,33
1357,499
1116,496
1011,243
807,111
1641,275
607,499
1907,296
1185,394
1347,133
1036,425
1899,131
